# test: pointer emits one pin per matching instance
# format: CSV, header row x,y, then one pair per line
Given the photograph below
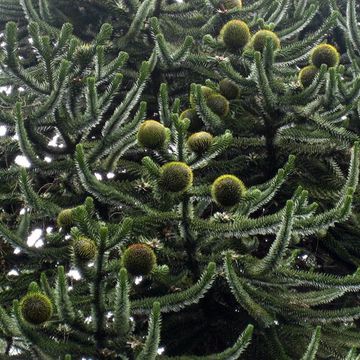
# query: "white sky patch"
x,y
54,142
39,243
138,280
17,251
13,272
34,238
49,229
48,159
110,175
3,130
5,89
14,351
172,149
98,176
160,350
22,161
109,314
74,274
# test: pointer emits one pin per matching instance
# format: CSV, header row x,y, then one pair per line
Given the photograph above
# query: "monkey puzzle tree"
x,y
188,183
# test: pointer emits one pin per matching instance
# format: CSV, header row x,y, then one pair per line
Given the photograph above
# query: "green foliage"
x,y
311,350
205,91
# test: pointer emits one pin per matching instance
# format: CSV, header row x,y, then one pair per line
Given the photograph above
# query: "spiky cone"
x,y
176,177
307,75
65,219
84,248
200,142
325,54
218,104
36,308
229,89
227,190
151,134
195,122
206,91
259,40
139,259
235,34
231,4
